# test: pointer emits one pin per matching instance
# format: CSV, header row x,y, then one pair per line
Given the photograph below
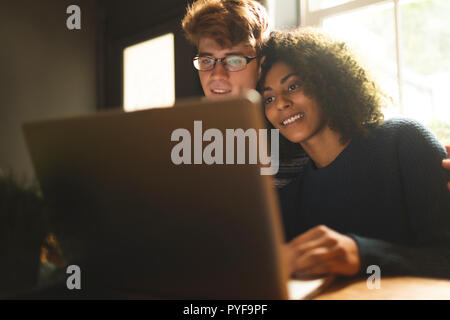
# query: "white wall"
x,y
46,70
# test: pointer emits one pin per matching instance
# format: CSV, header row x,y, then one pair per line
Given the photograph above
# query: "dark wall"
x,y
125,23
46,70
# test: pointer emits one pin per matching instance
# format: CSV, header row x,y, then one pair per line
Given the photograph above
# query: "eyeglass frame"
x,y
221,60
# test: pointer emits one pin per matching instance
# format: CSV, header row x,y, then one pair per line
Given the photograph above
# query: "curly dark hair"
x,y
330,74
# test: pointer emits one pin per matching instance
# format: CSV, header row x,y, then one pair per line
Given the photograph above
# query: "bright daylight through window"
x,y
149,74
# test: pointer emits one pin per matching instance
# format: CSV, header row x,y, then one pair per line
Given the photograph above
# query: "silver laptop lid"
x,y
154,227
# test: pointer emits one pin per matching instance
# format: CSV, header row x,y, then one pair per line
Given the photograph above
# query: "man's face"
x,y
219,82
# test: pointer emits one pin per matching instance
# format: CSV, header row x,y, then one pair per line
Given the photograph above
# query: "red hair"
x,y
228,22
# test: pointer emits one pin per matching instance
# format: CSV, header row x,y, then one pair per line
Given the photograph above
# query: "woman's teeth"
x,y
293,118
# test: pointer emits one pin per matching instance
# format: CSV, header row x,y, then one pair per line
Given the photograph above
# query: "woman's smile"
x,y
292,119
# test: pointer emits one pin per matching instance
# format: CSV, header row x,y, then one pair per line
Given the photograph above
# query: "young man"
x,y
229,35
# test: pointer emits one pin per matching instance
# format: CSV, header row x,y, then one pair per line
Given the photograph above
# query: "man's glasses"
x,y
230,63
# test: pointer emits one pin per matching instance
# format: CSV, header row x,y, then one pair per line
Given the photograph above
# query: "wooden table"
x,y
391,288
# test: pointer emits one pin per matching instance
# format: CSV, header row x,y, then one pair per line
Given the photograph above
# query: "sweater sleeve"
x,y
427,203
394,259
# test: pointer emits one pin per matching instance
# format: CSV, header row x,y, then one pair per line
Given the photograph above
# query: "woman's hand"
x,y
322,251
446,164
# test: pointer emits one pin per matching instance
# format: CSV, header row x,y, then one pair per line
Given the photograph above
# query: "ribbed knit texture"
x,y
290,169
387,191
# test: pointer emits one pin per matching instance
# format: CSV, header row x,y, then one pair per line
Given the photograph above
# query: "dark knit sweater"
x,y
388,192
291,168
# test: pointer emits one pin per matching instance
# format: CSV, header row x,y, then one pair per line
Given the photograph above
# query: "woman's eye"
x,y
293,87
269,100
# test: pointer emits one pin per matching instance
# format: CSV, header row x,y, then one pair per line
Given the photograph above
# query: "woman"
x,y
374,192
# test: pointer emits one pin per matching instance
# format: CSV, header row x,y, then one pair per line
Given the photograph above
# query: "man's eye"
x,y
269,100
234,61
206,60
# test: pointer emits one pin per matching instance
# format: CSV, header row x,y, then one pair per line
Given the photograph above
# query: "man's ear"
x,y
261,61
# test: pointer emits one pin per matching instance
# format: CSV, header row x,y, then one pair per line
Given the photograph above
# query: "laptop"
x,y
139,222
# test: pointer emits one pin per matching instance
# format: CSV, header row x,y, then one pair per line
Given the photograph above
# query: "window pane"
x,y
324,4
149,74
371,34
425,52
285,13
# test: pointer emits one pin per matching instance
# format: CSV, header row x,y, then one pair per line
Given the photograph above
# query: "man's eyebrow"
x,y
204,54
208,54
236,53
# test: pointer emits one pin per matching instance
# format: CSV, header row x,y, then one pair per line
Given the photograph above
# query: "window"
x,y
324,4
405,44
149,74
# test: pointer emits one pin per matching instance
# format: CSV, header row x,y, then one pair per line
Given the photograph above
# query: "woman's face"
x,y
298,117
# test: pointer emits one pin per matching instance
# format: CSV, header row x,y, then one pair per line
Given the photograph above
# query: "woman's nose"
x,y
283,103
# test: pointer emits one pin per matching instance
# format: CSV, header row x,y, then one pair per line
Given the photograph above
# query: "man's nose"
x,y
219,71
